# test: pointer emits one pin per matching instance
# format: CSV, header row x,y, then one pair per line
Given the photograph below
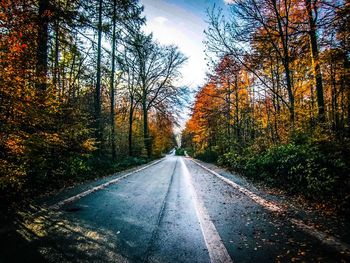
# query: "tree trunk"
x,y
113,146
71,88
146,137
290,93
55,80
238,128
228,99
334,97
284,36
315,62
43,37
98,78
346,80
131,118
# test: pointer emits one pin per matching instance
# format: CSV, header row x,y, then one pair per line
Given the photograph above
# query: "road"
x,y
171,211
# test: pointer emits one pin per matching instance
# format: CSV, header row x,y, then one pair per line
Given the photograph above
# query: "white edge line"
x,y
97,188
326,239
216,248
269,205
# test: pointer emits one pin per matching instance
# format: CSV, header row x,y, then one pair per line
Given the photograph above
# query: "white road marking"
x,y
216,248
99,187
326,239
269,205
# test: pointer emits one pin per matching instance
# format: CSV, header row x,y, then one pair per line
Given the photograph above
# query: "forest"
x,y
84,93
276,106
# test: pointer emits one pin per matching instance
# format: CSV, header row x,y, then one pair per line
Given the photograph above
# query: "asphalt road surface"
x,y
173,210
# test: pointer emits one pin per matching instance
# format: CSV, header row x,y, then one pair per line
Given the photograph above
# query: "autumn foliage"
x,y
63,117
276,105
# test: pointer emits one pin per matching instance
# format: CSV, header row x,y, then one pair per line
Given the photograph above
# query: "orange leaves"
x,y
14,145
16,48
220,106
205,107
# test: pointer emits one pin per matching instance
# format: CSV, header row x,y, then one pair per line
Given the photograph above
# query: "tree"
x,y
112,84
158,69
311,9
42,47
98,76
271,21
55,89
129,14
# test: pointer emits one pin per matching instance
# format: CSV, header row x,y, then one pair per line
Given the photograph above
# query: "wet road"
x,y
171,211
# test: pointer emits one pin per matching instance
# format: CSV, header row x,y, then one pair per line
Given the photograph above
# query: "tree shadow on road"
x,y
50,237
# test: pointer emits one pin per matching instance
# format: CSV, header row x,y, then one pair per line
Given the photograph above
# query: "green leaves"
x,y
316,170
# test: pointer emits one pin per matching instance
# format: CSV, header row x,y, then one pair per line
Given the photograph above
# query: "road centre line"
x,y
216,248
326,239
99,187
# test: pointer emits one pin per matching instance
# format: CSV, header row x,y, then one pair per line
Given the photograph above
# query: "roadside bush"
x,y
189,151
318,170
232,160
209,156
105,165
77,165
132,161
282,165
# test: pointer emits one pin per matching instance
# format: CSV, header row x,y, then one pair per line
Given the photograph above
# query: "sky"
x,y
182,23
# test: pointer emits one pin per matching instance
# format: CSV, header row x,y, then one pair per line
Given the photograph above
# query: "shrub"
x,y
207,156
232,160
314,169
180,151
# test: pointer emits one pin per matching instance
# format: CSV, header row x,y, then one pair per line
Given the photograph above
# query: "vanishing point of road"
x,y
173,210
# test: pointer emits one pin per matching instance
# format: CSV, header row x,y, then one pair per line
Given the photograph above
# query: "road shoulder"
x,y
294,207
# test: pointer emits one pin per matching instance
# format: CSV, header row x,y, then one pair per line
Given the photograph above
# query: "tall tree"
x,y
42,43
98,76
112,84
311,9
271,20
158,69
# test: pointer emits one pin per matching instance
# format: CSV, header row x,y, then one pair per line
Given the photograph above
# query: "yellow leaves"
x,y
161,129
53,138
48,139
89,144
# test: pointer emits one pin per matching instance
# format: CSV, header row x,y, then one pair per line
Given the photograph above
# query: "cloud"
x,y
229,2
161,20
172,25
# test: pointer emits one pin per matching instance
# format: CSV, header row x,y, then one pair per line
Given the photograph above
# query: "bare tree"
x,y
271,21
157,69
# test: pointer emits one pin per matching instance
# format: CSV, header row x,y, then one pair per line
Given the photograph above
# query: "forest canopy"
x,y
84,91
276,106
